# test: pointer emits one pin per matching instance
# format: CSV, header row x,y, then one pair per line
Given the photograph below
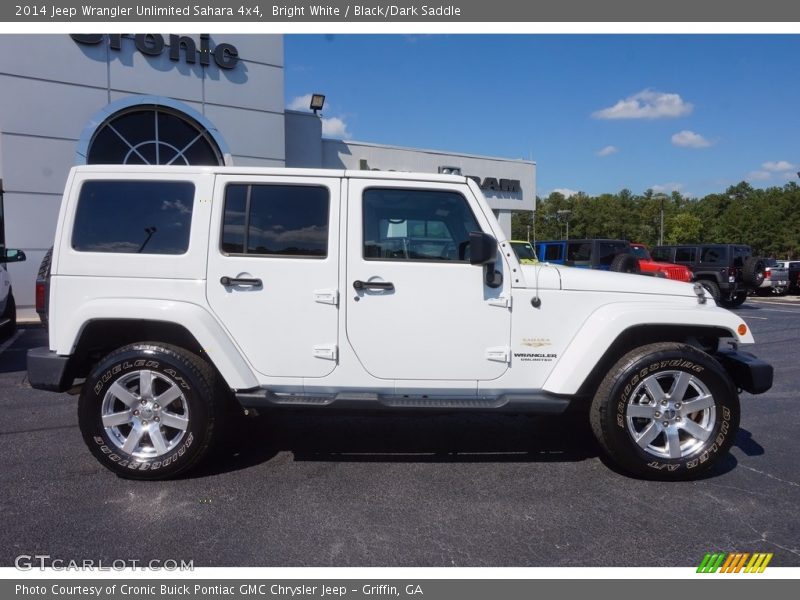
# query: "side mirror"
x,y
482,248
483,251
11,256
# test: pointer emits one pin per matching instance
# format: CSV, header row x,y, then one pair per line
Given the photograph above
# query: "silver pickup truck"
x,y
776,279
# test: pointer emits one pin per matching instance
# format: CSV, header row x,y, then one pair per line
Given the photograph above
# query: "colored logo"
x,y
735,562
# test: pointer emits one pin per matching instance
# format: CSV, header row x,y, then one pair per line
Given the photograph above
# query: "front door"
x,y
273,271
416,308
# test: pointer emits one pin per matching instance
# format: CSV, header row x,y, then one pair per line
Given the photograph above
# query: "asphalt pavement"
x,y
300,489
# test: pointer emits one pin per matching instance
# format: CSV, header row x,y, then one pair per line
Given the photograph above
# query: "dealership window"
x,y
152,135
429,225
136,217
283,220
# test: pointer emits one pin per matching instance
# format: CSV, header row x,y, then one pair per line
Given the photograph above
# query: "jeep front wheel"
x,y
148,411
666,411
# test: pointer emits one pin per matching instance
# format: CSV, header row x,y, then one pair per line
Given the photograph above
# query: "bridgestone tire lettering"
x,y
608,411
190,373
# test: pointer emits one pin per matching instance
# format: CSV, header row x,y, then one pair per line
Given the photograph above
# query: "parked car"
x,y
776,279
665,269
179,293
726,271
8,306
602,254
792,275
524,251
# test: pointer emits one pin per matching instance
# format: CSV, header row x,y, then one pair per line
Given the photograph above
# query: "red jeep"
x,y
648,265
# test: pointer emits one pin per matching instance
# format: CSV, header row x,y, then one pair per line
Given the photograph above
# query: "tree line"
x,y
766,219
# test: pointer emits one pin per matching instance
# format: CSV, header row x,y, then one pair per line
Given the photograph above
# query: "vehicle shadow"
x,y
370,438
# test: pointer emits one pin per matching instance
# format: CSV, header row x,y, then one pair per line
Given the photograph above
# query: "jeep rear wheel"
x,y
148,411
666,411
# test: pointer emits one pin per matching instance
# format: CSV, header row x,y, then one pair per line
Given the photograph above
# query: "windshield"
x,y
523,250
640,252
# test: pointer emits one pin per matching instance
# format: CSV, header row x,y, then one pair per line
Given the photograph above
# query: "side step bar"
x,y
539,402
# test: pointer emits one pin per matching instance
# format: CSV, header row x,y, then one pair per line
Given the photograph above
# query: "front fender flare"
x,y
607,323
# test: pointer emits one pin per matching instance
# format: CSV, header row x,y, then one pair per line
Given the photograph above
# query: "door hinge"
x,y
499,354
326,351
327,297
502,301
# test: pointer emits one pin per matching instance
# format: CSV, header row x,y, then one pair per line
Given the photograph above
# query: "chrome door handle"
x,y
376,285
242,281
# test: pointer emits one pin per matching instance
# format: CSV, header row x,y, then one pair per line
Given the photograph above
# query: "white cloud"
x,y
663,188
647,104
566,192
778,166
689,139
607,151
300,103
334,127
758,175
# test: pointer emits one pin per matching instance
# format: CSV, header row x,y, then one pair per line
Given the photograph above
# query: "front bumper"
x,y
748,372
48,370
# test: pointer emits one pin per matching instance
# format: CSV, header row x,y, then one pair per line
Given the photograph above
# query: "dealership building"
x,y
175,99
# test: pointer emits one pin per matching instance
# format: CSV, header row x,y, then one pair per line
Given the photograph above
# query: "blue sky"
x,y
598,113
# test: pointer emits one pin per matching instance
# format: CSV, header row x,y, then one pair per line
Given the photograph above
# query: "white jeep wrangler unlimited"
x,y
176,289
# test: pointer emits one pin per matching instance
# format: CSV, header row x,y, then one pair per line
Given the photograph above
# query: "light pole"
x,y
661,198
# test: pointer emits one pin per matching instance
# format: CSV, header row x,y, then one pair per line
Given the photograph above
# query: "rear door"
x,y
273,274
416,308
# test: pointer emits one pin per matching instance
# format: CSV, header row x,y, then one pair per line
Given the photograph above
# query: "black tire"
x,y
630,386
123,374
753,271
625,263
711,287
737,300
10,313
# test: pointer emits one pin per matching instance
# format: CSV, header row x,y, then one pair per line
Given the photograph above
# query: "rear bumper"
x,y
748,372
48,370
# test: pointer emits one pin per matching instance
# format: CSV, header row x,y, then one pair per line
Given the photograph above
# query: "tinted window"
x,y
740,254
579,251
606,251
552,252
662,254
147,217
402,224
712,254
687,255
523,250
285,220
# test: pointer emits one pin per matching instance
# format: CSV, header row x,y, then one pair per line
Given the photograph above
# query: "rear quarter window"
x,y
134,217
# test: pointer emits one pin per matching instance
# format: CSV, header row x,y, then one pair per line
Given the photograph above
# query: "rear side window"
x,y
685,255
712,255
134,217
282,220
553,252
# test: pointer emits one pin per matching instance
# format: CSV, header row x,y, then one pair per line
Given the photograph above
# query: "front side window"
x,y
685,255
425,225
135,217
278,220
553,252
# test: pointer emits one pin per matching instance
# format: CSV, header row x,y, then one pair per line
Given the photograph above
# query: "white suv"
x,y
177,289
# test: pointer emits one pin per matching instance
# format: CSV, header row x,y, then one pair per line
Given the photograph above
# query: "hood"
x,y
591,280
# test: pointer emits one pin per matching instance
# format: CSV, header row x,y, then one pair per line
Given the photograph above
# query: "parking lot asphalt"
x,y
425,490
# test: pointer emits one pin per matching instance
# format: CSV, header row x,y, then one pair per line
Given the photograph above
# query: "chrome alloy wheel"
x,y
671,414
145,414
